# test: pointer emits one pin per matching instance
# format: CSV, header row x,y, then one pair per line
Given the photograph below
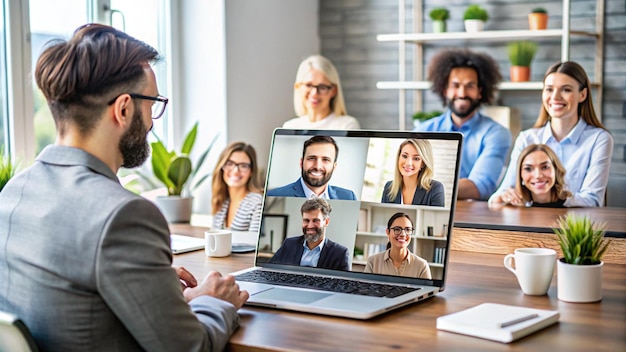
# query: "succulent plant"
x,y
582,240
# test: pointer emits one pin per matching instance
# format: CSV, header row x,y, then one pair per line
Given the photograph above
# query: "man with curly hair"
x,y
464,80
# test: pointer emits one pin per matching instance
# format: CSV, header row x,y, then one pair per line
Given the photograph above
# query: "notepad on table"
x,y
498,322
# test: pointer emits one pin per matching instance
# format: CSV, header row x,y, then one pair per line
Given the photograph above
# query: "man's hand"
x,y
186,278
220,287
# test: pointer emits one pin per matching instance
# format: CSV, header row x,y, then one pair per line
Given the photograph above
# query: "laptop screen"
x,y
386,190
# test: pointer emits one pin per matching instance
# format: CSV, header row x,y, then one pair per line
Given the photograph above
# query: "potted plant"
x,y
175,170
579,272
7,168
422,116
439,15
538,18
521,54
474,18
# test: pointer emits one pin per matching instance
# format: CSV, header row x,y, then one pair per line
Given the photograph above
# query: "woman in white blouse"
x,y
237,189
568,124
318,98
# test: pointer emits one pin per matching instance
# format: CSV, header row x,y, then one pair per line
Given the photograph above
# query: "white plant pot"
x,y
579,283
175,208
474,25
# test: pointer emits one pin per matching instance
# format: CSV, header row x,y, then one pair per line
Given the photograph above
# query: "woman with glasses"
x,y
318,99
237,189
397,259
413,177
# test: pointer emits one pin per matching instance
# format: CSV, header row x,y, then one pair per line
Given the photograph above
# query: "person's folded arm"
x,y
593,188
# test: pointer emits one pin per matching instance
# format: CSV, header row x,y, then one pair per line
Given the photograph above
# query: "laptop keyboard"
x,y
325,283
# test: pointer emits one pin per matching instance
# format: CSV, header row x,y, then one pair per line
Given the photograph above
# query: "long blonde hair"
x,y
585,109
220,188
558,191
424,176
320,63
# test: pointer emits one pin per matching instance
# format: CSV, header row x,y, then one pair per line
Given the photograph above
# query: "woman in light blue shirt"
x,y
568,124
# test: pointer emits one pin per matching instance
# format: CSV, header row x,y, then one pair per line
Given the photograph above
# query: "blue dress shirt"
x,y
585,153
310,257
486,146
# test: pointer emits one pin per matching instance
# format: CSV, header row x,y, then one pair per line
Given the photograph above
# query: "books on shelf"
x,y
439,255
498,322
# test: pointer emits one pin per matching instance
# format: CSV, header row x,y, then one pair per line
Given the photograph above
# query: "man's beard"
x,y
312,238
474,104
134,143
316,182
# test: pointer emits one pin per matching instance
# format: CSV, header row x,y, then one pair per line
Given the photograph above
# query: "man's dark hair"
x,y
80,76
318,140
485,66
316,203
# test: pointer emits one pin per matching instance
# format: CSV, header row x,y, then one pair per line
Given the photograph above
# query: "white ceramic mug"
x,y
218,243
534,268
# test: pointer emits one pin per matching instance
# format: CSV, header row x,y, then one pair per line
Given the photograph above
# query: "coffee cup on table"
x,y
533,267
218,243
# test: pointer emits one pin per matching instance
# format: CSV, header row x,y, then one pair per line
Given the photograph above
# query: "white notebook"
x,y
498,322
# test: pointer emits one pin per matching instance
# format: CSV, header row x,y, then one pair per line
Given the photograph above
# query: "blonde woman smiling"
x,y
318,98
412,182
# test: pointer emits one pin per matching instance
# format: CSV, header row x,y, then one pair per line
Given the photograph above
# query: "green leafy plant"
x,y
539,10
423,116
475,12
439,14
582,240
521,53
174,169
7,168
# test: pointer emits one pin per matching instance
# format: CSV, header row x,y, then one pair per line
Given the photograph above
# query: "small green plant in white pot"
x,y
175,170
474,18
439,16
579,272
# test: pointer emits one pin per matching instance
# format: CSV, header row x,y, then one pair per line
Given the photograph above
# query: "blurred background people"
x,y
237,189
568,124
412,182
464,80
540,179
318,99
397,259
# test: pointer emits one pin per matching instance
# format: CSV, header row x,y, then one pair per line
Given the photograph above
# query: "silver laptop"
x,y
352,276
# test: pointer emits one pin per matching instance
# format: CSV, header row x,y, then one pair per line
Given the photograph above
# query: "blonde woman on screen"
x,y
318,98
397,259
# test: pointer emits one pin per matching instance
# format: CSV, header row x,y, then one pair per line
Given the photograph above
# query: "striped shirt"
x,y
248,217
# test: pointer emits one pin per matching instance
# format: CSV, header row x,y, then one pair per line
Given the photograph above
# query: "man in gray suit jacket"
x,y
319,160
85,263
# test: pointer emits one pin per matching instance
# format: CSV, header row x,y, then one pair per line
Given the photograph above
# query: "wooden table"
x,y
478,214
499,230
473,279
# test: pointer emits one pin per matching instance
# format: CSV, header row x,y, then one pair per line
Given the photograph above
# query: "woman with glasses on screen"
x,y
397,259
318,99
237,189
413,177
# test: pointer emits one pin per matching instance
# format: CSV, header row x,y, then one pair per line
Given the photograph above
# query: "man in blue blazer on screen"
x,y
319,160
313,248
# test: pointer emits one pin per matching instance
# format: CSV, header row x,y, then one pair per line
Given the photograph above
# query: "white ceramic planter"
x,y
175,208
474,25
579,283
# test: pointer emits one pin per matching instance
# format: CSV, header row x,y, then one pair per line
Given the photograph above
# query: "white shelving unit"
x,y
418,38
371,233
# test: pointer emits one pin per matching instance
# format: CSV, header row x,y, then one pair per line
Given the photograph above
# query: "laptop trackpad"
x,y
295,296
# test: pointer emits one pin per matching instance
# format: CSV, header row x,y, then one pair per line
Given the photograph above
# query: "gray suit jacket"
x,y
86,264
